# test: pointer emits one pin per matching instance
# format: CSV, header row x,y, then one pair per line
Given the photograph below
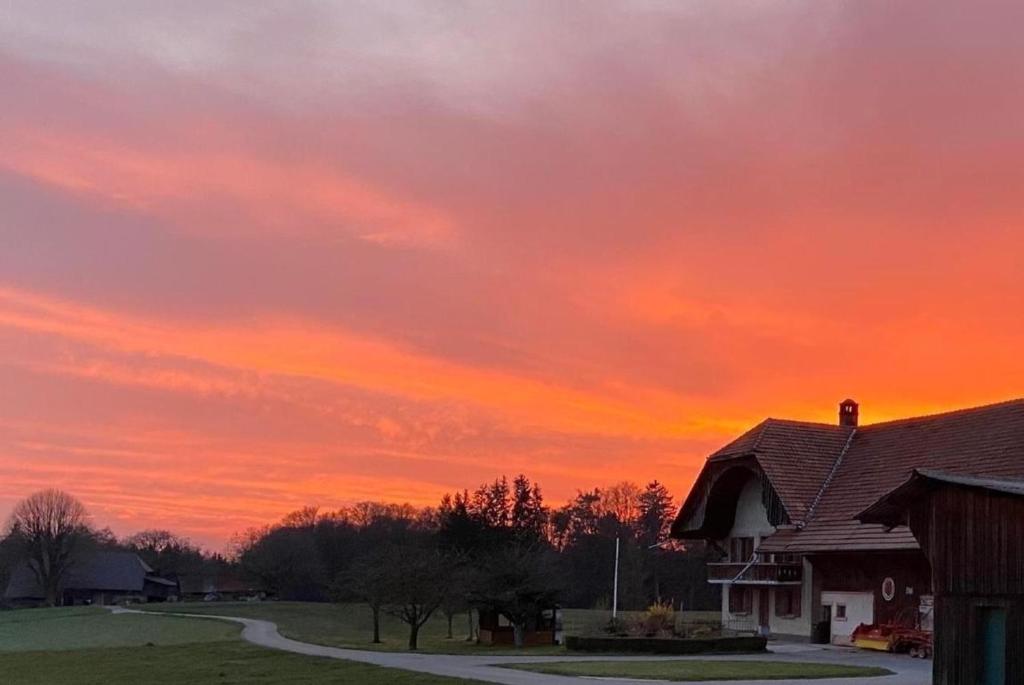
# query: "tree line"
x,y
498,548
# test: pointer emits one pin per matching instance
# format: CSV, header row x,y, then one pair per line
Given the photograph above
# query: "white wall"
x,y
801,625
751,516
860,608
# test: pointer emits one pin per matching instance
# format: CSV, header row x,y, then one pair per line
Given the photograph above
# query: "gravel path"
x,y
486,668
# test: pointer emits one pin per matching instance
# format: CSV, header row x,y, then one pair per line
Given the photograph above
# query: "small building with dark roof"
x,y
101,577
781,505
971,529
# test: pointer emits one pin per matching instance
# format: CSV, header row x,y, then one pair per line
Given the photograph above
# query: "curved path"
x,y
486,668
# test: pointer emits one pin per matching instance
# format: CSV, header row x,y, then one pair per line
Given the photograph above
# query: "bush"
x,y
655,645
659,620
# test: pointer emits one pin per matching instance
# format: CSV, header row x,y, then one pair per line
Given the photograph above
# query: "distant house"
x,y
781,502
218,587
102,577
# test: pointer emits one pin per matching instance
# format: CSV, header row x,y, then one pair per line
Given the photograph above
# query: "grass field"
x,y
351,625
702,670
90,646
83,627
228,663
348,625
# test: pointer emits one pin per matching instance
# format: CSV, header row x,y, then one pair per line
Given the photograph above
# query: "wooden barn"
x,y
100,578
780,504
971,529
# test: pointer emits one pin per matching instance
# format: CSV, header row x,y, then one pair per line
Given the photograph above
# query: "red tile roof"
x,y
826,475
797,457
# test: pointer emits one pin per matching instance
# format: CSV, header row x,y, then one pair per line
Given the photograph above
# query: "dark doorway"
x,y
992,643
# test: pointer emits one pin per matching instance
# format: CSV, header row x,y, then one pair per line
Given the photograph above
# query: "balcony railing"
x,y
757,573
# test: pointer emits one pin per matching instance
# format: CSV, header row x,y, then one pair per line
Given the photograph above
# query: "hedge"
x,y
661,645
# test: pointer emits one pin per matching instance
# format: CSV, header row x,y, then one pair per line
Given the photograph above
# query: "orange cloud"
x,y
275,197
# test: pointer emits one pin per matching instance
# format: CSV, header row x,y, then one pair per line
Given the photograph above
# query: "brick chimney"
x,y
848,413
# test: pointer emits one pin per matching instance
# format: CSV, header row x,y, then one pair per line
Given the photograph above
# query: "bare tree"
x,y
622,500
50,525
368,580
417,588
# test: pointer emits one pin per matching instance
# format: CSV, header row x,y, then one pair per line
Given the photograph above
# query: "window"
x,y
787,602
741,549
741,600
840,612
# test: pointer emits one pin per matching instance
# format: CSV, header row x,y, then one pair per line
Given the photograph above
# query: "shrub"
x,y
659,619
651,645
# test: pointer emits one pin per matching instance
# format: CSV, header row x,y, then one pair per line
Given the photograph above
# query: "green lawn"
x,y
348,625
702,670
91,646
225,663
85,627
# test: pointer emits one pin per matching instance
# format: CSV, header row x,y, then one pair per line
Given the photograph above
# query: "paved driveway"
x,y
264,633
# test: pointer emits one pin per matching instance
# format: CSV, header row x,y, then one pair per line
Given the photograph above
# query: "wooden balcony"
x,y
760,573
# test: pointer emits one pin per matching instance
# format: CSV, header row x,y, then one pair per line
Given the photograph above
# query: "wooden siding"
x,y
865,573
958,654
975,540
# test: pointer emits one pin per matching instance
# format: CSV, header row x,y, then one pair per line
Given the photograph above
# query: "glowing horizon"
x,y
412,249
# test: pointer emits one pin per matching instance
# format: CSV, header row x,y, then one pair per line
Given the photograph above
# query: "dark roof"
x,y
826,475
103,570
797,457
890,507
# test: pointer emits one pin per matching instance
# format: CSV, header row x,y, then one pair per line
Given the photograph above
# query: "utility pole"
x,y
615,586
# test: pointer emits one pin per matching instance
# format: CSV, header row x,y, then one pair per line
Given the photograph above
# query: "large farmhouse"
x,y
781,504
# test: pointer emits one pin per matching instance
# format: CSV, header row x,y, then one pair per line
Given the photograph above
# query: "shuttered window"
x,y
741,599
787,602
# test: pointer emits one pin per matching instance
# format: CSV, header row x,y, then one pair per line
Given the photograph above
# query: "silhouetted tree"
x,y
416,580
517,581
529,516
369,580
49,526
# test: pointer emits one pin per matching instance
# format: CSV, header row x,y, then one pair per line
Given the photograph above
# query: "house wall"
x,y
752,521
865,572
739,622
799,626
860,608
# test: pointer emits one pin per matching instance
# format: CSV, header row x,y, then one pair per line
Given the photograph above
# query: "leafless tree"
x,y
50,525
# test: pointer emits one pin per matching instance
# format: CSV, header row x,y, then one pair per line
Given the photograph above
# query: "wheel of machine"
x,y
915,652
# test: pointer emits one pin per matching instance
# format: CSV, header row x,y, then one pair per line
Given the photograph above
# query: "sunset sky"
x,y
260,255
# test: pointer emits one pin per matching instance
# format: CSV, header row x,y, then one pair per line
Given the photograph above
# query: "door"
x,y
992,626
762,611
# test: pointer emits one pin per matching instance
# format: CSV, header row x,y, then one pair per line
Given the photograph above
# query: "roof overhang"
x,y
891,508
710,508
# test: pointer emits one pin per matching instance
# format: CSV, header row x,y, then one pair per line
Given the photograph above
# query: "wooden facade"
x,y
972,531
540,630
909,571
